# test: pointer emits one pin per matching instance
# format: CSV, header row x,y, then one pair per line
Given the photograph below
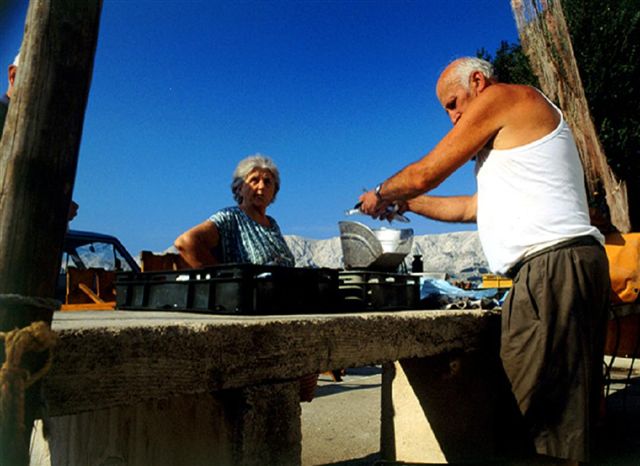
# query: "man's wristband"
x,y
377,192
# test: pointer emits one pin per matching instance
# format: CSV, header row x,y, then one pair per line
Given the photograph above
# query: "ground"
x,y
341,426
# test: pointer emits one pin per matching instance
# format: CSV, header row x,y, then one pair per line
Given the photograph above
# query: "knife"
x,y
393,208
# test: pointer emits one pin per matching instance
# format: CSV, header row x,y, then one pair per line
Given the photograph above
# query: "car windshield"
x,y
95,254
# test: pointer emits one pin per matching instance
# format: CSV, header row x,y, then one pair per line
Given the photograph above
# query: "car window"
x,y
95,254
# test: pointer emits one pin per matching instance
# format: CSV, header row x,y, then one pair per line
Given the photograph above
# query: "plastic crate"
x,y
378,291
231,289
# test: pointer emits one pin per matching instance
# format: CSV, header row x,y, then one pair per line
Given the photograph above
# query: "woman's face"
x,y
258,189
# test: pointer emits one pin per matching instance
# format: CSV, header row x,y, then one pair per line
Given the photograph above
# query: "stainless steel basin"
x,y
381,249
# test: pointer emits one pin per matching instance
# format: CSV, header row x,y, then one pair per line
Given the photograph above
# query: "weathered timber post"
x,y
545,40
38,159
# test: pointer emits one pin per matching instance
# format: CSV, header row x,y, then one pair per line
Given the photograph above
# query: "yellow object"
x,y
89,290
495,281
623,252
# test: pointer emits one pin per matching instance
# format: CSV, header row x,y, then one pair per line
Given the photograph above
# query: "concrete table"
x,y
163,388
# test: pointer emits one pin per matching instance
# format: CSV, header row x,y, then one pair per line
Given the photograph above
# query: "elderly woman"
x,y
244,233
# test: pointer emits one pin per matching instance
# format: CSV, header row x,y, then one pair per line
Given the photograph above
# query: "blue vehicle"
x,y
88,267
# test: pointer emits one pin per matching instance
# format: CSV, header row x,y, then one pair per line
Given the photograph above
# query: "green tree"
x,y
606,44
510,64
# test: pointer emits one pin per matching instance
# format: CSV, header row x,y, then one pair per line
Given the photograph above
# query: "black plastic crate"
x,y
365,290
231,289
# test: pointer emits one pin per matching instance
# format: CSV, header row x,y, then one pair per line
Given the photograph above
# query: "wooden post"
x,y
545,40
38,159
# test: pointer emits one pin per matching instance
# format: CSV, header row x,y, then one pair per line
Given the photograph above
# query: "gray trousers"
x,y
553,329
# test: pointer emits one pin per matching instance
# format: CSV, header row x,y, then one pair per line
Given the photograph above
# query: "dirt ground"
x,y
341,426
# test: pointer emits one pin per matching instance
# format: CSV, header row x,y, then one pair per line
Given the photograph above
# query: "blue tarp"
x,y
436,293
435,286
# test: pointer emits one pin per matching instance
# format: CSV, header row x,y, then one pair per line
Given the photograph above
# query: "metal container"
x,y
382,249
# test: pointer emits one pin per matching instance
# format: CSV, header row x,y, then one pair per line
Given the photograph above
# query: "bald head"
x,y
459,72
460,82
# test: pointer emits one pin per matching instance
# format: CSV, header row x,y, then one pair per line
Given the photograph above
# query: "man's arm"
x,y
196,245
479,124
461,209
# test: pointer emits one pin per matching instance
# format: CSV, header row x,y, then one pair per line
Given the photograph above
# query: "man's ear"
x,y
12,74
478,81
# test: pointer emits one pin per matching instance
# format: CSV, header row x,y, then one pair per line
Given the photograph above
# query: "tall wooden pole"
x,y
545,40
38,159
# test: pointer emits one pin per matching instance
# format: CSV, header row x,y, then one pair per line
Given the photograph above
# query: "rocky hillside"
x,y
457,254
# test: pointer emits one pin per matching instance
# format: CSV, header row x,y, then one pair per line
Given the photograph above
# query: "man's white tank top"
x,y
531,197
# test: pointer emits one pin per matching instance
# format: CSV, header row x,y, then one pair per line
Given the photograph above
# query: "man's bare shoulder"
x,y
526,114
513,93
499,104
499,101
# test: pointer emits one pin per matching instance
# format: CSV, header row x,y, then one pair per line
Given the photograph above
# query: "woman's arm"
x,y
196,245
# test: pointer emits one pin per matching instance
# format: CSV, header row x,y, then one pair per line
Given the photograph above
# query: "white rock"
x,y
457,254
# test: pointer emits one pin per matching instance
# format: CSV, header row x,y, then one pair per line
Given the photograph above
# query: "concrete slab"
x,y
106,359
124,368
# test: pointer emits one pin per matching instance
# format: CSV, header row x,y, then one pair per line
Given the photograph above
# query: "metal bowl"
x,y
381,249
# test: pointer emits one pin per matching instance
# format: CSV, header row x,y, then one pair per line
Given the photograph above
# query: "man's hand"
x,y
398,208
73,211
373,205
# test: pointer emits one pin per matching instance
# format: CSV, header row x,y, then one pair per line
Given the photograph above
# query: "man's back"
x,y
540,184
521,114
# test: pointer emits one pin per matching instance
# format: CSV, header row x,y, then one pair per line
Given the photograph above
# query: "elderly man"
x,y
553,320
4,99
4,107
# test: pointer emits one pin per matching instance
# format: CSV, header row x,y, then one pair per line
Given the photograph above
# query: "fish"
x,y
393,208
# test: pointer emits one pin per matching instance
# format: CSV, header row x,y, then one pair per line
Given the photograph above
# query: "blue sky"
x,y
339,93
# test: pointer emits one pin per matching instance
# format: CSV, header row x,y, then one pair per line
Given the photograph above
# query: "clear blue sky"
x,y
339,93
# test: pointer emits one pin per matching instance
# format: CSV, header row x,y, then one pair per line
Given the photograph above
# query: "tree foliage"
x,y
606,44
510,64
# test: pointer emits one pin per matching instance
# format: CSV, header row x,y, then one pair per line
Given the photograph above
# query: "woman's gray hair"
x,y
467,65
246,166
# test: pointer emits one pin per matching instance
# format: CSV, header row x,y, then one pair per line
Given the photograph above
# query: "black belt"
x,y
586,240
